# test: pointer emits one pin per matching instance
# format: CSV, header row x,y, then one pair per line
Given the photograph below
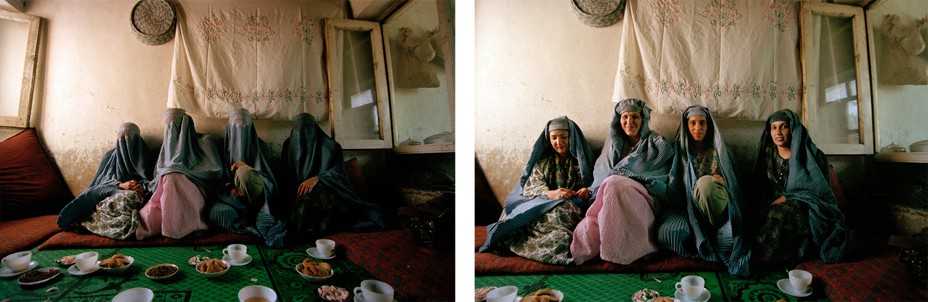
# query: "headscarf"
x,y
521,210
648,162
683,177
808,182
310,152
189,153
127,161
242,144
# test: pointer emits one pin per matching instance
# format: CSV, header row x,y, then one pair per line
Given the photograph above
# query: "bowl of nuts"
x,y
314,271
161,271
212,268
117,263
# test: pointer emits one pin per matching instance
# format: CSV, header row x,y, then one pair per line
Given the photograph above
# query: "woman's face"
x,y
698,127
631,122
779,132
560,141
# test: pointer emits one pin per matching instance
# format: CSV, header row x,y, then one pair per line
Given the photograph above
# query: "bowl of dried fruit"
x,y
212,268
117,263
161,271
314,271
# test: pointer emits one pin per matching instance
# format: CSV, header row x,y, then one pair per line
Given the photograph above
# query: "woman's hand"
x,y
237,165
584,193
134,186
560,193
779,200
718,179
307,186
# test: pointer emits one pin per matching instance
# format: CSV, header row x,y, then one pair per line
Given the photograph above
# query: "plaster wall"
x,y
93,74
534,61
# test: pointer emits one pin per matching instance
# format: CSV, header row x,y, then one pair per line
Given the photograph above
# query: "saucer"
x,y
313,252
787,288
704,296
245,261
74,271
6,272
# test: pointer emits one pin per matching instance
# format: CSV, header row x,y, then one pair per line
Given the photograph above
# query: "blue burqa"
x,y
187,152
520,210
129,160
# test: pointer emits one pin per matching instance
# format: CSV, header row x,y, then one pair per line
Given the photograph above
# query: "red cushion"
x,y
30,184
877,278
69,240
416,273
25,234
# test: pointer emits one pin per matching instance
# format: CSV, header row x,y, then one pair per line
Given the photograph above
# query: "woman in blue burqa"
x,y
322,199
799,215
702,216
188,175
109,207
548,202
244,205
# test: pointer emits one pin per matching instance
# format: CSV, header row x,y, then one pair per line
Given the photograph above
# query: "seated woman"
x,y
702,215
322,199
243,206
109,207
629,175
547,203
799,215
188,173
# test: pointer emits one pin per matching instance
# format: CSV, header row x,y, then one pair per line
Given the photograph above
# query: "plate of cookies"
x,y
116,263
313,271
213,268
543,295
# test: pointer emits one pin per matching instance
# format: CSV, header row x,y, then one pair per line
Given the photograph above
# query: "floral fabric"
x,y
547,238
117,216
550,173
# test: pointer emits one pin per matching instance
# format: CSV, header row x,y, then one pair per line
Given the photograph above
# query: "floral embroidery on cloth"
x,y
257,29
307,29
722,12
778,12
211,28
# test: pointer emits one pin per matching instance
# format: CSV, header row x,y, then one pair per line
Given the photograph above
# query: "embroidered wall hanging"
x,y
264,56
738,58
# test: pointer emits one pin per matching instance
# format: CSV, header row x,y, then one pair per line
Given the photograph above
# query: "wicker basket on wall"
x,y
153,21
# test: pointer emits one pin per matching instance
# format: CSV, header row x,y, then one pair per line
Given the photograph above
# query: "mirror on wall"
x,y
836,102
898,57
19,39
420,66
358,108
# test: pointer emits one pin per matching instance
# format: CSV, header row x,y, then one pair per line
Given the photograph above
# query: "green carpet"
x,y
269,267
621,287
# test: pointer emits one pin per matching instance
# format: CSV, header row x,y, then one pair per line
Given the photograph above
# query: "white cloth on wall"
x,y
738,58
264,56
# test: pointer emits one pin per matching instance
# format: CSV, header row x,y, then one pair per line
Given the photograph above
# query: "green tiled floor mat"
x,y
621,287
269,267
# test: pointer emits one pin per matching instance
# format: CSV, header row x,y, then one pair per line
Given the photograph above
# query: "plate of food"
x,y
39,276
161,271
66,260
212,268
543,295
117,263
311,270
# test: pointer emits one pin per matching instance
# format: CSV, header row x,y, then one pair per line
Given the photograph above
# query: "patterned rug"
x,y
273,268
621,287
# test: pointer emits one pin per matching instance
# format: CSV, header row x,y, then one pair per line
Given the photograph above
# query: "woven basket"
x,y
153,21
598,13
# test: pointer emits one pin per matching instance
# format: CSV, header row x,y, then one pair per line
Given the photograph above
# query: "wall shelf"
x,y
421,149
903,157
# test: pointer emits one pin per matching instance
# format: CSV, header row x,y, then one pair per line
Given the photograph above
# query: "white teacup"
x,y
236,252
86,261
325,247
800,280
17,261
502,294
692,286
257,293
375,291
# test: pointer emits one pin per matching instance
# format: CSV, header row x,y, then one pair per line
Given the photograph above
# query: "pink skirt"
x,y
175,210
618,225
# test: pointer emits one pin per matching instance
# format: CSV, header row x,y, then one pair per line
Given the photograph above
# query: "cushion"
x,y
881,277
24,234
353,169
416,273
69,240
30,183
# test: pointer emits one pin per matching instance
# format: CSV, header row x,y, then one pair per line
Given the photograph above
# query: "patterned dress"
x,y
547,238
116,216
784,236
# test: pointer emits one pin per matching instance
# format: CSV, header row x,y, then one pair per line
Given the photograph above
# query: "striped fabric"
x,y
175,209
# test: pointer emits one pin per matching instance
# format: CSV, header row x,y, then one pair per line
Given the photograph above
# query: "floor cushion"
x,y
416,273
30,183
69,240
25,234
880,277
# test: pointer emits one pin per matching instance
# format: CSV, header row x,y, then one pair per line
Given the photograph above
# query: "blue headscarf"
x,y
521,210
127,161
808,182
